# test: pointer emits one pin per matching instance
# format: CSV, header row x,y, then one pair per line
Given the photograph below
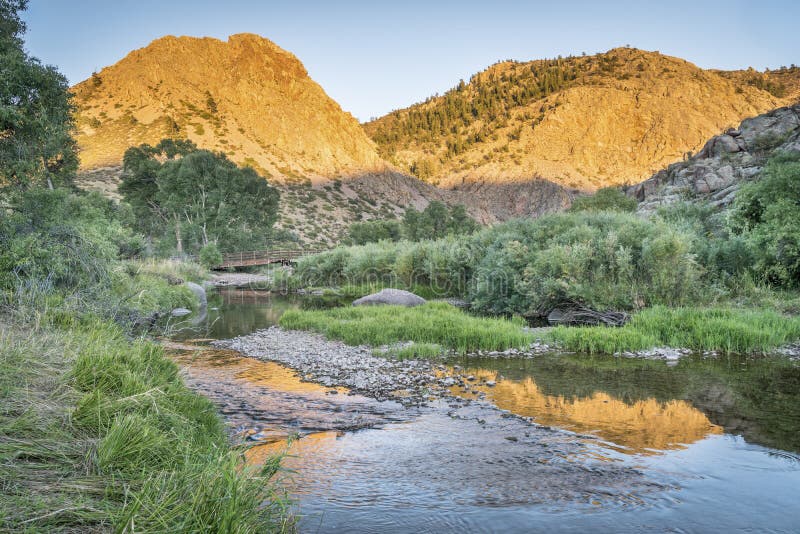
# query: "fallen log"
x,y
573,314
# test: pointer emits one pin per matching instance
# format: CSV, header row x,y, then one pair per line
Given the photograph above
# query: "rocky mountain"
x,y
579,122
255,102
245,96
724,163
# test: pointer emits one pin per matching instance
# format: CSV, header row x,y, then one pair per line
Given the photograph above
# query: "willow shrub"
x,y
603,259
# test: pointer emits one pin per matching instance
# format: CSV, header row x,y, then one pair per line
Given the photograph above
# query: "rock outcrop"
x,y
392,297
724,163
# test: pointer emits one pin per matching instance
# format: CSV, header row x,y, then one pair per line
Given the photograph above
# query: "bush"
x,y
602,259
606,199
66,239
767,214
210,256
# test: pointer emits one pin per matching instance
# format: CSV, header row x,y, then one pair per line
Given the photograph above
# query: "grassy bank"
x,y
98,432
433,323
719,329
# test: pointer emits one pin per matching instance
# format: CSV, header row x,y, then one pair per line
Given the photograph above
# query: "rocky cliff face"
x,y
246,97
724,163
580,122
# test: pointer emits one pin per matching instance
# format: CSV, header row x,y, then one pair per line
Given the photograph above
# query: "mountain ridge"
x,y
582,122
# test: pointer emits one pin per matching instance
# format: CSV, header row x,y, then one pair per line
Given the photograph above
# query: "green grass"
x,y
432,323
98,432
412,351
724,330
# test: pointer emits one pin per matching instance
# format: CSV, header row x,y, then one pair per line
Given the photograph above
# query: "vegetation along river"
x,y
560,441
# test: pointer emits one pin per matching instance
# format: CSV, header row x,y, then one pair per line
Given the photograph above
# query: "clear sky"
x,y
374,56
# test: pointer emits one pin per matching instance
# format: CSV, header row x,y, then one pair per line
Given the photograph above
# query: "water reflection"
x,y
643,426
471,469
237,311
646,406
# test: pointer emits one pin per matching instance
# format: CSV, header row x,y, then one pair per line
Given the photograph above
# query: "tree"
x,y
436,219
198,196
460,221
411,223
361,233
36,144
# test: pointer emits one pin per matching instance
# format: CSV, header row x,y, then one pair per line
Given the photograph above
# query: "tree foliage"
x,y
192,198
767,213
361,233
36,145
435,221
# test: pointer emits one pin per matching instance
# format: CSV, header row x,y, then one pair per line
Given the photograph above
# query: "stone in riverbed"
x,y
394,297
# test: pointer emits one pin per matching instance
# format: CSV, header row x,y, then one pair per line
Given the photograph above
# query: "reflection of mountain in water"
x,y
640,427
643,404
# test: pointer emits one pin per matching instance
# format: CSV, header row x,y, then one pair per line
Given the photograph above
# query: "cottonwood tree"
x,y
201,197
36,144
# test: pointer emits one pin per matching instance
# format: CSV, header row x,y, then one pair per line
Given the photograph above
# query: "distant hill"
x,y
580,122
246,97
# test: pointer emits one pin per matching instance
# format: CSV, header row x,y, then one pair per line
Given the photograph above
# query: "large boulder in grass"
x,y
392,297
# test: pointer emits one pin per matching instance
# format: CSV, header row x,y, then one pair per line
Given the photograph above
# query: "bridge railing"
x,y
256,257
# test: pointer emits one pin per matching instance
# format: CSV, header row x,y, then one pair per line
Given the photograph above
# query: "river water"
x,y
698,445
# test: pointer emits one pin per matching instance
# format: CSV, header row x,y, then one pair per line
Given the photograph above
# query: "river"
x,y
698,445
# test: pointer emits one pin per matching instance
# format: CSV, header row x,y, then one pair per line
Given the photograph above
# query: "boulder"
x,y
394,297
719,145
199,293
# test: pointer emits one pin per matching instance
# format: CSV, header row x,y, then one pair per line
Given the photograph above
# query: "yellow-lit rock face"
x,y
246,97
642,427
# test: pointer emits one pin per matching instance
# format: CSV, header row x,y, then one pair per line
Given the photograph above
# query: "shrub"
x,y
606,199
210,256
767,214
603,259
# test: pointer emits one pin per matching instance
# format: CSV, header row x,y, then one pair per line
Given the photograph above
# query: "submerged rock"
x,y
394,297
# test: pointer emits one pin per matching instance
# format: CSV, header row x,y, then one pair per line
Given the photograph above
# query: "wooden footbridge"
x,y
261,257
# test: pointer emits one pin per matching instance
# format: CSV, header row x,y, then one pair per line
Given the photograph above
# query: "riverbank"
x,y
98,430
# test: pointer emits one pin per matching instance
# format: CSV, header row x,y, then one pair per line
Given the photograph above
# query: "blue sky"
x,y
376,56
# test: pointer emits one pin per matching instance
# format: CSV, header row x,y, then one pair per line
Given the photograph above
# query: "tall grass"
x,y
432,323
99,432
719,329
